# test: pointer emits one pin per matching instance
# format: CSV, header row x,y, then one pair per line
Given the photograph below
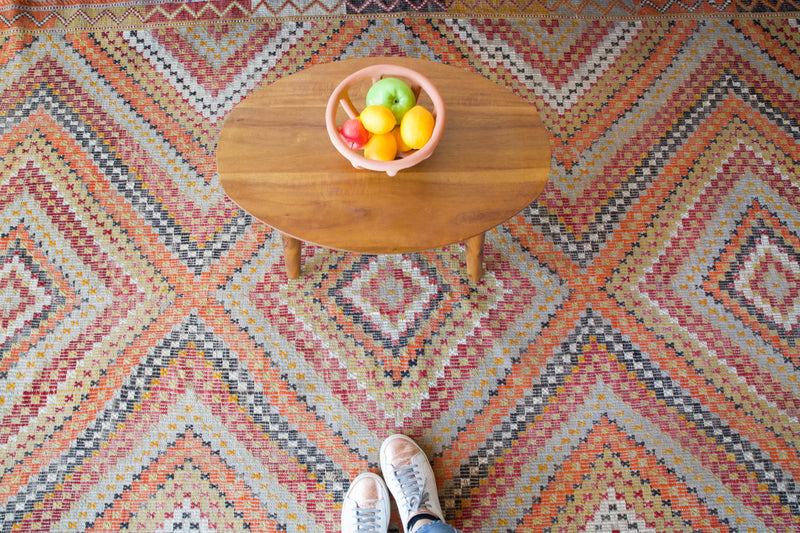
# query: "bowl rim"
x,y
339,96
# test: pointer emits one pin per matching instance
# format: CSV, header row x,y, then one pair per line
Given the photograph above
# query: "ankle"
x,y
420,519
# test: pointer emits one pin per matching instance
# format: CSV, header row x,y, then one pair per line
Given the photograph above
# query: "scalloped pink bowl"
x,y
341,97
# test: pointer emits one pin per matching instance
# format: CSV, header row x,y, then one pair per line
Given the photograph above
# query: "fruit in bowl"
x,y
378,119
416,127
393,93
402,129
354,133
391,104
381,147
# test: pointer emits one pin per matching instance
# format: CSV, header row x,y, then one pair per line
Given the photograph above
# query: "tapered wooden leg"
x,y
475,257
291,253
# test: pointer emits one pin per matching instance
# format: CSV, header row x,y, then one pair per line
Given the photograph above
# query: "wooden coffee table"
x,y
276,162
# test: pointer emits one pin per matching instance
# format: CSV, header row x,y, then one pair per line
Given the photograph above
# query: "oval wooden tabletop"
x,y
275,160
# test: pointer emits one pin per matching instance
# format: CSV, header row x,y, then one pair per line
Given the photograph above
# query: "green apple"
x,y
393,93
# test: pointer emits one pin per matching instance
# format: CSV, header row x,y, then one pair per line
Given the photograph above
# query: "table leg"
x,y
291,253
475,257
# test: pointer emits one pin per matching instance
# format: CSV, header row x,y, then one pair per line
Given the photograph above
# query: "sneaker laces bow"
x,y
412,487
367,520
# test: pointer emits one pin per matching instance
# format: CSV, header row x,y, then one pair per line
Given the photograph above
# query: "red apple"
x,y
354,134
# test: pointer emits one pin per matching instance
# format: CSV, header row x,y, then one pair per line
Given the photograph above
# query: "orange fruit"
x,y
378,119
381,147
416,127
401,144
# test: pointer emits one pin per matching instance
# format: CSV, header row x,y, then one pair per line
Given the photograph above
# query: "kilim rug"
x,y
629,363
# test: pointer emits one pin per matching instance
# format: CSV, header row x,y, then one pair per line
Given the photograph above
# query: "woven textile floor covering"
x,y
629,362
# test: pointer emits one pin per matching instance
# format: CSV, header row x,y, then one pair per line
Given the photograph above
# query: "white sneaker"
x,y
410,478
366,505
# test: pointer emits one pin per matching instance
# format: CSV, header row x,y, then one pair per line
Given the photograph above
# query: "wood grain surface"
x,y
275,160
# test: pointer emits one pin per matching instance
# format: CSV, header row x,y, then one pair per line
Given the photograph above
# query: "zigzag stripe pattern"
x,y
628,363
562,96
95,14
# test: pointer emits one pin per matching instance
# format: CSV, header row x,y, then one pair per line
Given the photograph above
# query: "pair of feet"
x,y
410,479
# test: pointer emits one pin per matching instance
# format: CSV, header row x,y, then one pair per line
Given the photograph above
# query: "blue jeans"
x,y
436,527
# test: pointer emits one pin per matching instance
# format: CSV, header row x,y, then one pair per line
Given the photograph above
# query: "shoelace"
x,y
368,520
411,487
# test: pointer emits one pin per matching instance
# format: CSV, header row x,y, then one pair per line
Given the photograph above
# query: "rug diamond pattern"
x,y
385,355
758,275
388,297
629,361
34,295
749,184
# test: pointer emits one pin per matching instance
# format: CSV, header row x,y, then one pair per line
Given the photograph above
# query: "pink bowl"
x,y
367,76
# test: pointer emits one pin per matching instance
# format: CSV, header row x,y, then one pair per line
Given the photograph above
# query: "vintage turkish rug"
x,y
629,363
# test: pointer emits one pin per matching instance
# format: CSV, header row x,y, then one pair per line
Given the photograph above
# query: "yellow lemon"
x,y
381,147
416,127
378,119
401,144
